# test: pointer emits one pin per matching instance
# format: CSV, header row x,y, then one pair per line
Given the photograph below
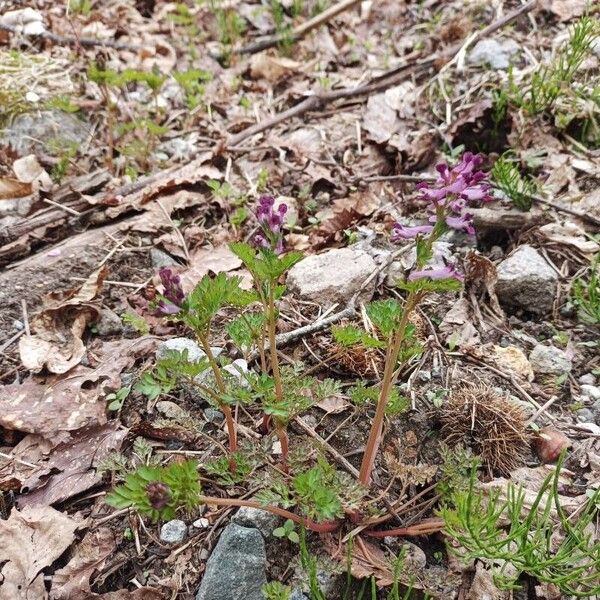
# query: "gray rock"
x,y
109,323
213,415
180,148
495,54
297,595
526,281
238,368
587,379
332,277
180,344
585,415
424,376
236,567
549,360
161,259
262,520
590,391
596,411
44,130
173,532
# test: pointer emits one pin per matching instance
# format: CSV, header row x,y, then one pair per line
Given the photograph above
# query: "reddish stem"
x,y
423,528
266,423
326,527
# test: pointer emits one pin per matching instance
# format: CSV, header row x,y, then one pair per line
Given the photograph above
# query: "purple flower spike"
x,y
400,232
173,292
447,272
271,222
158,494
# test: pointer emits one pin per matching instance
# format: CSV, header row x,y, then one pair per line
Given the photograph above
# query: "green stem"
x,y
226,409
374,439
281,428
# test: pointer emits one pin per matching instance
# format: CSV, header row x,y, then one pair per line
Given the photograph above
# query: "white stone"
x,y
587,379
590,391
195,353
173,532
526,281
549,360
332,277
495,54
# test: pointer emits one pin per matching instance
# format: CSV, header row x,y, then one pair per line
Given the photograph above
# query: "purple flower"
x,y
447,272
271,221
401,232
173,292
158,494
462,222
463,181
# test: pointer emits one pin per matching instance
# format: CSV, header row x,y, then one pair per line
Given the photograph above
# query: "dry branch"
x,y
70,41
300,31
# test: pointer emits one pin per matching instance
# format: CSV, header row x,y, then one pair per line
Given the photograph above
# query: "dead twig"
x,y
300,31
70,41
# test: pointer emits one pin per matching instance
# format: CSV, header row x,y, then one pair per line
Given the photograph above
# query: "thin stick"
x,y
299,31
175,229
68,209
25,317
70,41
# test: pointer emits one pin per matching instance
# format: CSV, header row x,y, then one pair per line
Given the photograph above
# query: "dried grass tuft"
x,y
492,425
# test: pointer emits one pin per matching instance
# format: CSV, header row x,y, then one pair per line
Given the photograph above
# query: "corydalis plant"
x,y
197,311
267,263
448,201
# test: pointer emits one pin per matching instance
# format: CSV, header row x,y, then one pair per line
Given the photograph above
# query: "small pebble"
x,y
213,415
424,376
590,391
173,532
585,415
587,379
201,523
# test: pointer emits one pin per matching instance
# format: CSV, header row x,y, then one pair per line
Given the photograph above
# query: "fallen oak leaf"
x,y
72,465
57,329
208,260
52,406
72,582
32,539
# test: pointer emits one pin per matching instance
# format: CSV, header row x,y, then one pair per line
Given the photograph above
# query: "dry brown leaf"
x,y
32,539
566,10
380,120
54,405
188,175
13,188
272,68
483,586
72,465
57,330
208,260
457,326
333,405
344,213
73,581
570,234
